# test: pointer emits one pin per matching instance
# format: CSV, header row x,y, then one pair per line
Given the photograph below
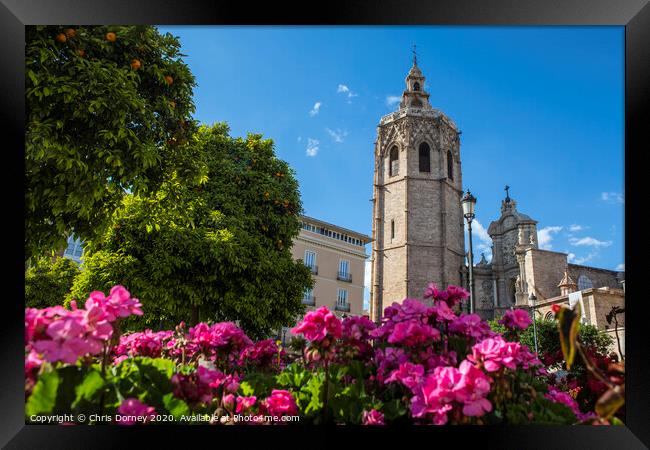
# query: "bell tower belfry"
x,y
417,227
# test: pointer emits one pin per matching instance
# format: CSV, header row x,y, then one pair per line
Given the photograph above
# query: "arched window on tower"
x,y
450,166
393,163
416,86
425,157
584,283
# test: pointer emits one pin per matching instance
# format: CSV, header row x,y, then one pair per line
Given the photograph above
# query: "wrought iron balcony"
x,y
309,300
344,277
342,306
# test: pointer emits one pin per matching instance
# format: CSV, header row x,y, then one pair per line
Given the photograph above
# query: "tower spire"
x,y
415,56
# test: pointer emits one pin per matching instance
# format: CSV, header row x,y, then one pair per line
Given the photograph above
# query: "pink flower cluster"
x,y
318,324
451,296
495,353
372,417
517,319
223,341
279,403
131,409
261,354
558,396
446,387
203,385
145,343
65,335
472,326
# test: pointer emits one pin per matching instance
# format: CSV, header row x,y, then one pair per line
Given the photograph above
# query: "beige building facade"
x,y
336,257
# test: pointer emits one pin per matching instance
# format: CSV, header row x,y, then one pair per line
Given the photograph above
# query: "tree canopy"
x,y
48,281
106,107
217,248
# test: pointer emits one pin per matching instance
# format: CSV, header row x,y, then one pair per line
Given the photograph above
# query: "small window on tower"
x,y
425,157
450,166
393,164
392,229
416,86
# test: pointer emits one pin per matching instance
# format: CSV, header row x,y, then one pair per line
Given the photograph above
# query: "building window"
x,y
416,86
584,283
425,157
450,166
310,260
392,229
308,297
393,165
342,300
344,270
549,316
75,249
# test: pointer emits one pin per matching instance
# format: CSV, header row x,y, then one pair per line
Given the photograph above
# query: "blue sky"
x,y
541,109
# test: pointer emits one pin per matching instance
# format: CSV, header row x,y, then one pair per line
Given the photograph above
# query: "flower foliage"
x,y
424,363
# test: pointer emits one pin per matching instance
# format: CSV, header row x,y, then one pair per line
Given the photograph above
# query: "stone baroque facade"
x,y
417,220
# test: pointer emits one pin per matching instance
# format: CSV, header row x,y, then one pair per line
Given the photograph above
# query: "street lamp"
x,y
468,202
531,302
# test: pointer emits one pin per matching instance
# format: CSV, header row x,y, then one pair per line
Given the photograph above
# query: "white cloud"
x,y
316,109
588,242
337,135
343,89
392,100
482,241
299,138
621,267
545,236
571,257
584,259
575,227
612,197
312,147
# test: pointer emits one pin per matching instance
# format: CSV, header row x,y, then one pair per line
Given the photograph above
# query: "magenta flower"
x,y
412,332
474,387
427,400
470,325
245,403
516,319
372,417
262,354
316,325
228,401
280,403
456,294
131,408
410,375
493,353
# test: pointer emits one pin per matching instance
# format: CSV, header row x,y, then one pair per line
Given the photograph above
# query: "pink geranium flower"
x,y
372,417
517,319
280,403
316,325
245,403
131,408
410,375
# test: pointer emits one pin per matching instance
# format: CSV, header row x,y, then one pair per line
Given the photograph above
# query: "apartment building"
x,y
336,257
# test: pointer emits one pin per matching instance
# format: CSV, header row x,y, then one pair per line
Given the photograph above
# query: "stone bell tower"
x,y
417,224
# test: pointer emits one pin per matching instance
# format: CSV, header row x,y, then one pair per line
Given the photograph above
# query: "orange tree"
x,y
106,107
214,249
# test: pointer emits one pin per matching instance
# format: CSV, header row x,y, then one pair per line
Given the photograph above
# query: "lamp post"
x,y
531,302
468,202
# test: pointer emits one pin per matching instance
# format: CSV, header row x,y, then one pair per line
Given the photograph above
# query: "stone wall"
x,y
598,277
544,271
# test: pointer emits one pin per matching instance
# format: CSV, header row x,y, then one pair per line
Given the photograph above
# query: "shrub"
x,y
49,281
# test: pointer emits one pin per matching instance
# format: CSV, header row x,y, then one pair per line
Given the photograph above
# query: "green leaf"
x,y
43,398
89,388
175,406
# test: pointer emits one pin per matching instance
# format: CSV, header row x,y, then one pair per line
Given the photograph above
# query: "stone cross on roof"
x,y
507,193
415,56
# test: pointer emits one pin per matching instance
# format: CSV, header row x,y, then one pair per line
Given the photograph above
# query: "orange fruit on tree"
x,y
61,38
169,79
136,64
70,32
111,37
81,52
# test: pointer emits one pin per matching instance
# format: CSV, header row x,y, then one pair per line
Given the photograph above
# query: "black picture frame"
x,y
634,15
